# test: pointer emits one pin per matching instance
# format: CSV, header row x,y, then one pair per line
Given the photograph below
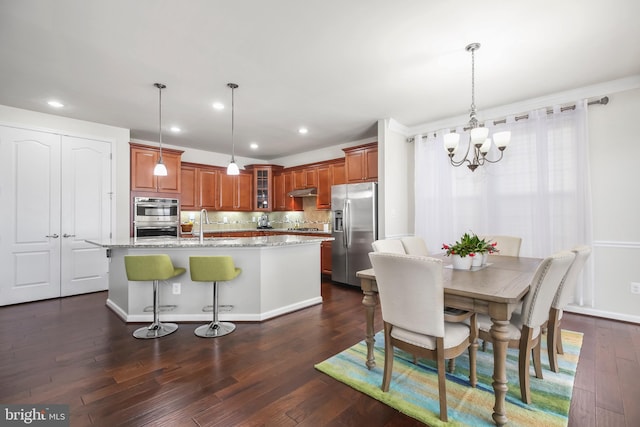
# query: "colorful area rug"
x,y
414,388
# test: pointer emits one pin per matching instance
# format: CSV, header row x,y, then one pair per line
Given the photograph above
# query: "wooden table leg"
x,y
369,301
500,338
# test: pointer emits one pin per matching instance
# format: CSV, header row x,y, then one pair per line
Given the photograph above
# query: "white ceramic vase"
x,y
476,259
461,263
485,256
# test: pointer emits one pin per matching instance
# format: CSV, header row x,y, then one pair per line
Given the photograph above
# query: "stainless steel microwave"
x,y
156,210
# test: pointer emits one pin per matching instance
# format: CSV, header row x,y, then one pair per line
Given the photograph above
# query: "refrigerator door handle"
x,y
347,223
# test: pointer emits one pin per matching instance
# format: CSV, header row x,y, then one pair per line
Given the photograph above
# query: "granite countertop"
x,y
279,230
281,240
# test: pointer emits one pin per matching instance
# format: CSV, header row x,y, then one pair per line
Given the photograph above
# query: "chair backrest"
x,y
393,246
411,291
414,245
545,284
506,245
142,268
566,292
212,268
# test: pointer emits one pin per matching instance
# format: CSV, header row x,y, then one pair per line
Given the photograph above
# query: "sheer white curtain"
x,y
539,191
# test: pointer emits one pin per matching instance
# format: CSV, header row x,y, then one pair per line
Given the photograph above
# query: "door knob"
x,y
55,236
68,235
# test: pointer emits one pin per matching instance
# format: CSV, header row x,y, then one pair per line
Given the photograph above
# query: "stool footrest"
x,y
149,308
225,307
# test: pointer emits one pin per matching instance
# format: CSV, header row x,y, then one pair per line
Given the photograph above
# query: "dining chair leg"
x,y
554,339
524,352
388,358
537,365
452,365
442,384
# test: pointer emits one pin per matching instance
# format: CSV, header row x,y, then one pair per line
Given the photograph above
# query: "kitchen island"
x,y
280,274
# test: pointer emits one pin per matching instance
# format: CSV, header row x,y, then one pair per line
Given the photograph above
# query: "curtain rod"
x,y
603,101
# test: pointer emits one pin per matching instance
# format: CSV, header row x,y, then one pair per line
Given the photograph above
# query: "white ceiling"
x,y
333,66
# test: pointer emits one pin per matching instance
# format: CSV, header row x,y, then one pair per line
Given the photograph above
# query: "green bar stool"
x,y
213,269
142,268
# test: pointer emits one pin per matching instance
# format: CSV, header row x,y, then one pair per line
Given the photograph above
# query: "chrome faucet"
x,y
206,218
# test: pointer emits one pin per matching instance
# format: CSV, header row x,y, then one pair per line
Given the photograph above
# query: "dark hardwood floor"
x,y
76,351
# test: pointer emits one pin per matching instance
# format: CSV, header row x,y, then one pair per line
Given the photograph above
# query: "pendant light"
x,y
160,169
232,169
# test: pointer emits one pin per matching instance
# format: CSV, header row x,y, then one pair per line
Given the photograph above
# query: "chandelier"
x,y
479,143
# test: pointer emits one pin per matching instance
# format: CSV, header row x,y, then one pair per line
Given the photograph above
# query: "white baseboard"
x,y
207,317
601,313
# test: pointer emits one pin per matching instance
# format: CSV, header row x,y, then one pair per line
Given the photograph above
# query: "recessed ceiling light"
x,y
303,131
56,104
218,106
175,129
253,146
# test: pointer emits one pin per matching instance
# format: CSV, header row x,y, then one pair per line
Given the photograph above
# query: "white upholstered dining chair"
x,y
411,296
414,245
506,245
393,246
525,327
563,297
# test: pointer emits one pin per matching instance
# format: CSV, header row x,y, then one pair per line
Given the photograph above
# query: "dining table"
x,y
496,289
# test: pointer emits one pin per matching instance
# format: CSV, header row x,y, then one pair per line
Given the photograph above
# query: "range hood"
x,y
305,192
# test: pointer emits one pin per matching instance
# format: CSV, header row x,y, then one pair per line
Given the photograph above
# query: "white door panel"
x,y
54,193
86,207
30,207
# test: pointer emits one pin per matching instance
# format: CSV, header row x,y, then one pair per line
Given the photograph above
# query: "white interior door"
x,y
30,212
86,214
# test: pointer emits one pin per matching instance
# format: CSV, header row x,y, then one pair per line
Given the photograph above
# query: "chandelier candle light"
x,y
160,169
232,169
478,140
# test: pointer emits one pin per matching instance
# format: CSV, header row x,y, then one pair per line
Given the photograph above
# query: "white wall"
x,y
119,138
323,154
395,181
614,151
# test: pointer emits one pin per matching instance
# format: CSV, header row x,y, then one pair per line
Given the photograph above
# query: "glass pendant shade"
x,y
502,139
160,169
233,169
479,135
451,141
486,146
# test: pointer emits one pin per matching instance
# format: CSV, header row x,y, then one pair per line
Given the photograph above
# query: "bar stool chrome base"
x,y
155,330
214,329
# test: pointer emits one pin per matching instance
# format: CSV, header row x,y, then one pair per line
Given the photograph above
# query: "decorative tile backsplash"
x,y
310,217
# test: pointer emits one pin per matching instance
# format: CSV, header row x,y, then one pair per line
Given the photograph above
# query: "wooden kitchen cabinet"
x,y
329,173
325,258
283,184
199,187
338,174
323,200
235,192
143,161
263,186
361,163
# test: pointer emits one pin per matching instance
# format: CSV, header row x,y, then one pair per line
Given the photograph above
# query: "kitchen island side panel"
x,y
265,288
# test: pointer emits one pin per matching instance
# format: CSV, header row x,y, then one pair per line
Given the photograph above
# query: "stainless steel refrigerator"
x,y
354,212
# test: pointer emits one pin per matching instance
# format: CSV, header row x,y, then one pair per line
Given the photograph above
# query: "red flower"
x,y
472,254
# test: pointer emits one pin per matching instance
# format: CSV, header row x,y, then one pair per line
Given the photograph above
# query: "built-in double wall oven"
x,y
156,217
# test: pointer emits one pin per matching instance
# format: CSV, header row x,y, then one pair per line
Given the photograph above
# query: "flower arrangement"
x,y
470,244
462,247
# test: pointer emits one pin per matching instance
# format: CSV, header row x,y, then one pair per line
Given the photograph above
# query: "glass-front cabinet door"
x,y
263,195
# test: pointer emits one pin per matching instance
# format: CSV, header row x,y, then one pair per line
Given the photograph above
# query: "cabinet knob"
x,y
55,236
